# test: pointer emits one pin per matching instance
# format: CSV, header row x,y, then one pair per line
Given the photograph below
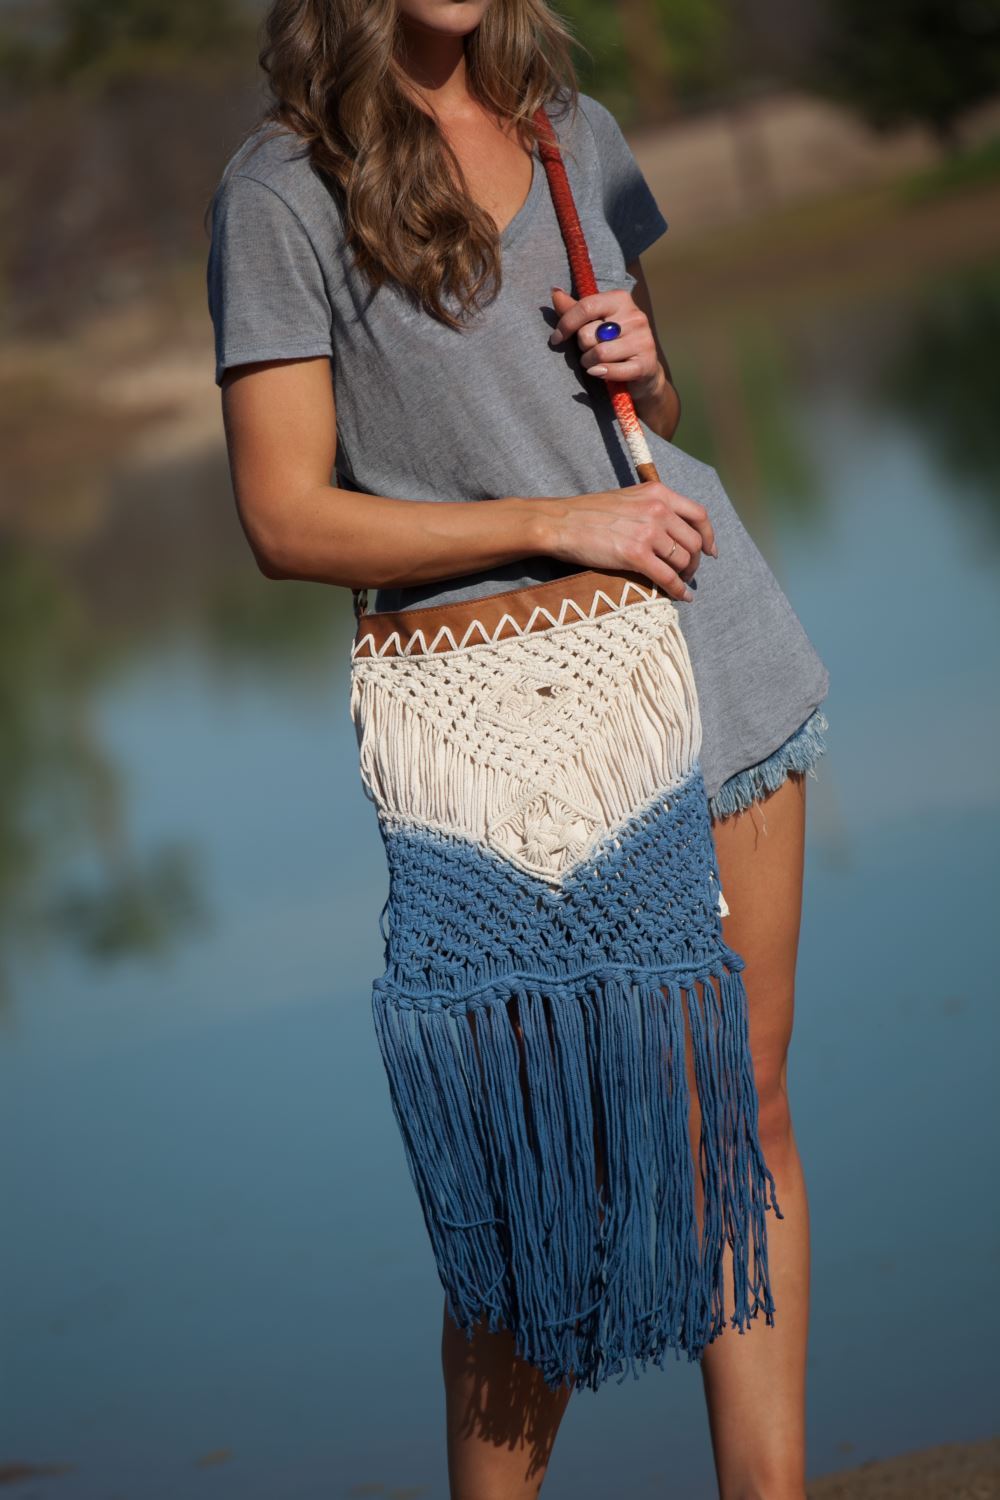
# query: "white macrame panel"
x,y
538,746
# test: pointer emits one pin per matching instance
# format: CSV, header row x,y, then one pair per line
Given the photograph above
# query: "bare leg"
x,y
502,1418
755,1383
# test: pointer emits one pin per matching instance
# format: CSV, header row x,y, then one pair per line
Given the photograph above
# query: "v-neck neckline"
x,y
513,225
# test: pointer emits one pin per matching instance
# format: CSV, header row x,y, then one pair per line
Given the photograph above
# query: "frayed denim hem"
x,y
800,752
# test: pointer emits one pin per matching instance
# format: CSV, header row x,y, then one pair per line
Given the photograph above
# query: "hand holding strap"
x,y
585,285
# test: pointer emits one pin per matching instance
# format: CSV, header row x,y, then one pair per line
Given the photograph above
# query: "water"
x,y
216,1279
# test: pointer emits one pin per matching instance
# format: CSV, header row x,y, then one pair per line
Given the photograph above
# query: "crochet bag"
x,y
553,952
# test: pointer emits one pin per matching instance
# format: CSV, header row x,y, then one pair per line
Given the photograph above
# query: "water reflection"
x,y
940,380
61,788
741,415
139,906
75,619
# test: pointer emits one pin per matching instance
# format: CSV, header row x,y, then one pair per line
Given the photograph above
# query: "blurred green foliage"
x,y
897,61
650,59
700,40
100,41
646,59
115,36
968,168
914,61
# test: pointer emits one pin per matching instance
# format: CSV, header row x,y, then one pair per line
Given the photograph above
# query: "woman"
x,y
381,284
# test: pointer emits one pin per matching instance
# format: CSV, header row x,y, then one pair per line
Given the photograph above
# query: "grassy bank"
x,y
854,241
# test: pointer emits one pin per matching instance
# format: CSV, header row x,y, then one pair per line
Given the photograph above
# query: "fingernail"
x,y
598,369
555,338
554,289
689,596
715,550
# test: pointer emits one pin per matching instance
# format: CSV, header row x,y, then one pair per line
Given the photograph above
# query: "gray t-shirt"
x,y
427,412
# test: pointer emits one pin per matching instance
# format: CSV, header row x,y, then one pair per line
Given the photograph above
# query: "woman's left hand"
x,y
630,359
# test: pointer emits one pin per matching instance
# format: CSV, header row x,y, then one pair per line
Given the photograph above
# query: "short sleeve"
x,y
629,205
266,292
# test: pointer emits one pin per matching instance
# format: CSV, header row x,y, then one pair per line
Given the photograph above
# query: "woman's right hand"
x,y
645,528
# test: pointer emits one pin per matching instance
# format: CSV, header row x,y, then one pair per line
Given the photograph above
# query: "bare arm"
x,y
281,425
280,422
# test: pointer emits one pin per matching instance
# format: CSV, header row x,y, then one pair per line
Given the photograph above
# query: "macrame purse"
x,y
555,963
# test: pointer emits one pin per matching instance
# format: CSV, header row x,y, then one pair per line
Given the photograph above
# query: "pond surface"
x,y
216,1279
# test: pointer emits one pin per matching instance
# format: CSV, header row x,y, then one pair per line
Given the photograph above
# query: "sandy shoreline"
x,y
952,1471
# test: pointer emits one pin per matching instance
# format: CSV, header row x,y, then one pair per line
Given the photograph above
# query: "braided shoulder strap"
x,y
584,285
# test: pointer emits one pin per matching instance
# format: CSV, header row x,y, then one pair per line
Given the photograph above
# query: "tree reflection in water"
x,y
943,381
70,871
61,793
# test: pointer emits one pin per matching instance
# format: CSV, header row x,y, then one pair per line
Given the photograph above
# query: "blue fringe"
x,y
799,752
506,1113
534,1041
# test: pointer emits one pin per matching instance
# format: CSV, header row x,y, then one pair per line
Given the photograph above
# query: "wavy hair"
x,y
336,81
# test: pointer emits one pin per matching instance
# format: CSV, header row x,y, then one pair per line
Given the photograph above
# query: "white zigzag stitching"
x,y
485,639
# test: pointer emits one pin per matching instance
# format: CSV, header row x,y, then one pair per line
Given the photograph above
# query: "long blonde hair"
x,y
335,80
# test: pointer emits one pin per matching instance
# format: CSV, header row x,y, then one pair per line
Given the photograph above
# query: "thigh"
x,y
760,855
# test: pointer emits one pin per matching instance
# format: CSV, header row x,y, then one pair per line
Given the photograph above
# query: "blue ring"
x,y
605,332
